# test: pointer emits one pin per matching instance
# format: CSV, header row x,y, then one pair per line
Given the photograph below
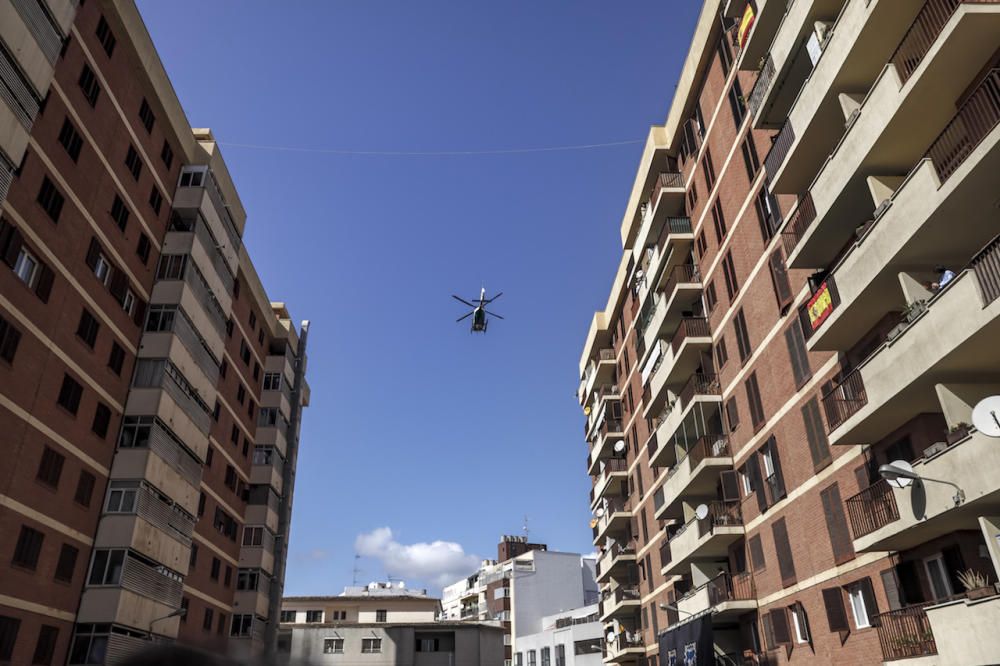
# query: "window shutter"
x,y
769,638
836,614
797,354
139,315
756,553
892,591
732,414
730,488
43,288
784,552
779,620
836,525
778,486
779,276
10,243
119,283
804,622
871,606
819,445
753,467
93,252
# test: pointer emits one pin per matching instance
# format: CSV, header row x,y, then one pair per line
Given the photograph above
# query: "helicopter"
x,y
479,312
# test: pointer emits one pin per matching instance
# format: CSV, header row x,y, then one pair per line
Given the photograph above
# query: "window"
x,y
87,329
719,220
84,488
142,248
8,636
729,273
227,579
50,199
268,416
220,626
756,548
742,337
71,140
737,104
67,563
193,560
121,499
710,298
702,245
797,353
241,394
119,212
253,320
779,280
753,399
245,352
116,359
937,576
380,615
50,467
819,445
750,160
858,607
9,339
107,567
206,623
185,603
518,659
105,36
90,644
26,267
155,199
167,154
225,525
799,623
768,215
531,658
242,625
560,655
732,414
29,545
287,616
314,616
46,646
216,566
89,85
272,381
171,267
253,536
333,646
133,162
725,55
721,355
247,579
709,170
371,645
201,504
146,116
223,368
69,395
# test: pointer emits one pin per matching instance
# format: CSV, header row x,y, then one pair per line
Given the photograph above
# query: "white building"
x,y
572,638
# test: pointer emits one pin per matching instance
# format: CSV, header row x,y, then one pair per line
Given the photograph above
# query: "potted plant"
x,y
957,432
976,584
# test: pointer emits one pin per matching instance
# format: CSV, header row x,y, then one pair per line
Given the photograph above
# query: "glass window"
x,y
936,574
333,645
531,658
287,616
801,630
861,620
121,500
107,567
546,657
371,645
380,615
25,267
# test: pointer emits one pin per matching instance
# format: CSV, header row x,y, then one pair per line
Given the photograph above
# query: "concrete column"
x,y
958,400
990,525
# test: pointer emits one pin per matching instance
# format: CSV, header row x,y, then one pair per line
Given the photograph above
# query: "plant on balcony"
x,y
976,584
957,432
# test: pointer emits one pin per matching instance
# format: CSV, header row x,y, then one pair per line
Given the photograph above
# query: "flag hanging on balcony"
x,y
688,644
745,24
820,306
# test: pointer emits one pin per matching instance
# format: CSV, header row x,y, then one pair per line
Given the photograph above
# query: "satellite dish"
x,y
701,513
986,416
610,637
619,446
899,481
600,512
586,410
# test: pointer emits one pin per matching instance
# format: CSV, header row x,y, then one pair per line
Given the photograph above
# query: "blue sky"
x,y
423,443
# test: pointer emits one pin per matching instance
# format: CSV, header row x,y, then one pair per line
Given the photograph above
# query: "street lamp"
x,y
180,612
668,607
900,474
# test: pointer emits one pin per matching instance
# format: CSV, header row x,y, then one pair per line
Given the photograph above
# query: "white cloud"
x,y
438,563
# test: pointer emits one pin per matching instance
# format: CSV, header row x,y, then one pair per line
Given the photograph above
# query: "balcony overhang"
x,y
686,422
692,480
692,546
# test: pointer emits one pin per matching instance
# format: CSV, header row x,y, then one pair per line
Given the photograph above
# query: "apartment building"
x,y
151,392
807,293
520,591
570,638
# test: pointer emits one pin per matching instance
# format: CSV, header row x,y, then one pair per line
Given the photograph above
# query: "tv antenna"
x,y
356,570
525,527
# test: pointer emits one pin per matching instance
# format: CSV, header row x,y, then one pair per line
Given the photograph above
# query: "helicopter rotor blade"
x,y
465,317
471,305
492,314
490,300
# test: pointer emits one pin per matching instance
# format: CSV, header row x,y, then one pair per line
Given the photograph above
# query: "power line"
x,y
431,153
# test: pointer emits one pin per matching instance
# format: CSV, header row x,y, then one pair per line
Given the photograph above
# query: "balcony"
x,y
673,242
905,633
600,371
673,365
179,281
616,518
262,507
615,560
767,17
267,468
886,518
155,378
153,528
675,293
608,432
830,72
696,474
199,190
898,119
258,556
951,338
620,602
143,591
694,410
727,595
614,472
664,203
705,540
624,649
253,601
962,631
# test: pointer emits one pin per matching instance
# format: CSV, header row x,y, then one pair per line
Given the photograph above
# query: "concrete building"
x,y
778,328
150,391
573,638
519,592
383,623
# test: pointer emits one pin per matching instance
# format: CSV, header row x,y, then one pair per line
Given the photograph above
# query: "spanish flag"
x,y
745,24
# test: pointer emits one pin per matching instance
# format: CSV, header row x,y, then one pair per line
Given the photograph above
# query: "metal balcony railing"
x,y
923,32
707,446
219,201
976,118
663,180
187,223
905,632
720,514
630,593
685,273
699,384
731,587
168,516
805,215
872,508
42,26
779,149
153,582
168,447
184,329
845,400
760,86
986,266
690,327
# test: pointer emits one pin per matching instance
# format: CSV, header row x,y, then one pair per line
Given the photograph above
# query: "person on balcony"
x,y
944,277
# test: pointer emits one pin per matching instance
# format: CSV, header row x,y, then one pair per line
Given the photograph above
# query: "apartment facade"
x,y
807,287
569,638
152,392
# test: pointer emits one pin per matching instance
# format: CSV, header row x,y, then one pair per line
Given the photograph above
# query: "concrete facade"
x,y
805,186
573,638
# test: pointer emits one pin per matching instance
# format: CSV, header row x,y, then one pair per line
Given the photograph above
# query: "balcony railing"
x,y
665,179
690,327
153,582
222,208
779,150
720,514
729,587
760,86
162,373
610,425
665,556
168,516
845,400
922,34
626,594
905,632
872,508
684,273
675,225
976,118
699,384
986,266
195,223
805,214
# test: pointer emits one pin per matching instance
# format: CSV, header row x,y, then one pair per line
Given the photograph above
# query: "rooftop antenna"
x,y
355,571
525,527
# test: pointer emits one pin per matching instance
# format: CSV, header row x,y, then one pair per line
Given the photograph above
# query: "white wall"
x,y
566,636
556,585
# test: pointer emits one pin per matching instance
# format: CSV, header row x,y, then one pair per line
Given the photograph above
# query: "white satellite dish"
x,y
610,637
701,513
619,446
900,481
600,512
986,416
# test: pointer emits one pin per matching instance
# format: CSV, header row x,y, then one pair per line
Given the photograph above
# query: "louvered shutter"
x,y
782,286
43,288
753,467
119,284
836,614
786,565
819,445
778,486
871,606
756,553
891,586
10,243
779,621
730,487
836,525
93,252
